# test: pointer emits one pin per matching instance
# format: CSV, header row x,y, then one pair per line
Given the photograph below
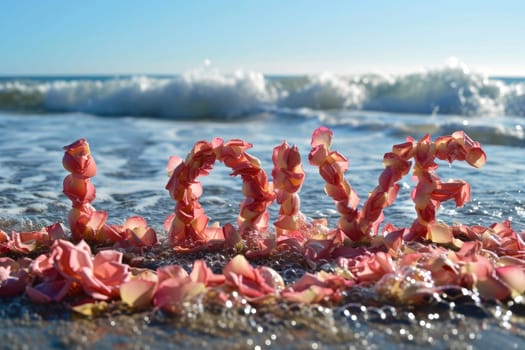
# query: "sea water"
x,y
134,124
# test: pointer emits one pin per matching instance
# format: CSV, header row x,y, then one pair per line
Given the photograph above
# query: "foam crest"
x,y
197,94
515,100
206,93
449,90
326,91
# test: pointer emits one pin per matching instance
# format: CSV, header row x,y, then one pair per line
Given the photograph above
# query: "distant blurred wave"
x,y
207,94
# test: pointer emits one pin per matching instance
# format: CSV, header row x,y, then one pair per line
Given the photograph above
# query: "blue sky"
x,y
269,36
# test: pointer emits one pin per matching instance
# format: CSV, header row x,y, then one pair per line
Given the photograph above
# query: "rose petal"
x,y
203,274
138,293
440,233
47,292
90,308
513,276
173,293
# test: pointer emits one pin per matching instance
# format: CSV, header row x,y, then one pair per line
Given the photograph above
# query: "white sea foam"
x,y
326,91
209,94
193,95
449,90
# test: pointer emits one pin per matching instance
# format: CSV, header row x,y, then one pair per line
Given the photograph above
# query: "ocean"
x,y
135,123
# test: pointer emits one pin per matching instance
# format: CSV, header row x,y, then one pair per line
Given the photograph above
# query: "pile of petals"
x,y
84,220
30,241
403,265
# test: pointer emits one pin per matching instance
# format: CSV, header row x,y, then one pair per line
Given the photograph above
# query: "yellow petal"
x,y
137,293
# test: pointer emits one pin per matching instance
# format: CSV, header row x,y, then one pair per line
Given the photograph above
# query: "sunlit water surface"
x,y
131,155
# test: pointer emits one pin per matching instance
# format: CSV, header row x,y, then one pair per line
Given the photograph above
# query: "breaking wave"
x,y
451,89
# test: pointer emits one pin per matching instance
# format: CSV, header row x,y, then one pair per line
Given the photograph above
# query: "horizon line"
x,y
86,75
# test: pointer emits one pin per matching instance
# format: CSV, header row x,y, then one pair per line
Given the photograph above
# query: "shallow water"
x,y
351,326
131,155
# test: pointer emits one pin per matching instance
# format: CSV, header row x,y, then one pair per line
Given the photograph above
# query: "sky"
x,y
55,37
